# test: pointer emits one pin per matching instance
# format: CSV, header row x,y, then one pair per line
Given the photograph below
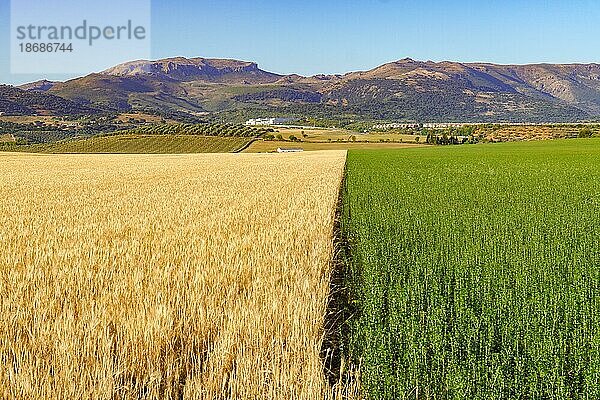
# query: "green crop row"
x,y
138,144
474,271
196,129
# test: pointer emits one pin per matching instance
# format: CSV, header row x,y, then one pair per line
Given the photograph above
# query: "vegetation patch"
x,y
197,129
474,270
140,144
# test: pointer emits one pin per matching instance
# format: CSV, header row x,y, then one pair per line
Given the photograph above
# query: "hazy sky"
x,y
335,36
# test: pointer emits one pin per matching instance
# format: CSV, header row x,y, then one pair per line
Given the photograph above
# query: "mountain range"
x,y
402,90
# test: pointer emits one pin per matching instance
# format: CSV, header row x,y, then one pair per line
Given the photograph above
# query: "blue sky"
x,y
335,36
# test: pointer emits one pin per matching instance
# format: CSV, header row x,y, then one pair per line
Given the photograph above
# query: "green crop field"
x,y
474,271
141,144
197,129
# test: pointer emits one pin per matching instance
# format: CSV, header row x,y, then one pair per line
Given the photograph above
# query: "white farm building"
x,y
287,150
268,121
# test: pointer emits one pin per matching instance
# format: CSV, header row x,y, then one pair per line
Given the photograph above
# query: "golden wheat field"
x,y
164,276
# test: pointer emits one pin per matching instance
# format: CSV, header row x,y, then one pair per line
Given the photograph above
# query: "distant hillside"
x,y
175,84
14,101
401,90
41,86
576,85
195,69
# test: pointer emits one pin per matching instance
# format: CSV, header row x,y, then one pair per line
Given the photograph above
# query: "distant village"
x,y
396,125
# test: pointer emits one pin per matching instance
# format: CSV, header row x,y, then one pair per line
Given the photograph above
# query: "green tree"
x,y
585,133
